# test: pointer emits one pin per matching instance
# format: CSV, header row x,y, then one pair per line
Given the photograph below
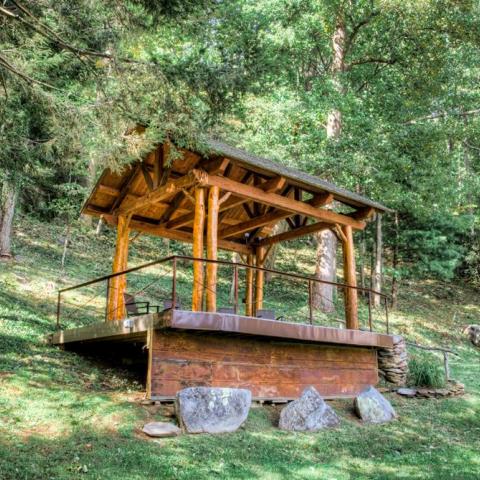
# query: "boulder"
x,y
212,410
372,407
473,334
308,413
161,429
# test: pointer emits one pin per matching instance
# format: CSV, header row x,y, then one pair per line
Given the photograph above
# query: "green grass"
x,y
64,416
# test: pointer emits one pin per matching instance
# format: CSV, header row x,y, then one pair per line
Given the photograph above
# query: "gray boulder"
x,y
161,429
473,334
372,407
308,413
212,410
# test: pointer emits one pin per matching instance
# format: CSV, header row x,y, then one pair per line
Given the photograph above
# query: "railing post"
x,y
58,310
174,283
235,288
386,313
370,310
106,300
310,301
445,364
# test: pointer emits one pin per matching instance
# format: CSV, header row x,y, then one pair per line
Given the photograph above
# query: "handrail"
x,y
175,258
222,262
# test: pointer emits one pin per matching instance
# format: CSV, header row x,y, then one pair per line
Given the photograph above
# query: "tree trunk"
x,y
9,196
361,262
395,265
326,269
326,240
378,260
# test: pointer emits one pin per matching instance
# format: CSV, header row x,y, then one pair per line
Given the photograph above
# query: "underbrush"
x,y
424,371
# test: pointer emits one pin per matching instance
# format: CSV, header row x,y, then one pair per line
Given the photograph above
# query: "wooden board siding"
x,y
271,369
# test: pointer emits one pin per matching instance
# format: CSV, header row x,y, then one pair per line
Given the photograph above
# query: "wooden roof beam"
x,y
254,223
274,184
295,233
164,191
273,199
177,234
364,213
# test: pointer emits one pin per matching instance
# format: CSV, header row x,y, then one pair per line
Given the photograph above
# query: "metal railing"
x,y
172,292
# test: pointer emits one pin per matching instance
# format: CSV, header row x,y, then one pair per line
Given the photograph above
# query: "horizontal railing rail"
x,y
174,259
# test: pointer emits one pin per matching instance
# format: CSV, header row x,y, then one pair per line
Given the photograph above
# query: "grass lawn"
x,y
65,416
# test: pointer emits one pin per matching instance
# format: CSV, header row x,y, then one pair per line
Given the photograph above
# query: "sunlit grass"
x,y
65,416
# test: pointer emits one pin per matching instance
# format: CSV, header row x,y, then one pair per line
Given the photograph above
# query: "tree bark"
x,y
395,264
378,261
9,196
323,295
326,269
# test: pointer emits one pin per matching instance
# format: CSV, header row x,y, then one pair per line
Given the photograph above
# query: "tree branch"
x,y
437,115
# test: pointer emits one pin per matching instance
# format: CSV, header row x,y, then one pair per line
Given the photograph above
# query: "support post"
x,y
260,256
212,240
118,284
249,288
351,298
198,233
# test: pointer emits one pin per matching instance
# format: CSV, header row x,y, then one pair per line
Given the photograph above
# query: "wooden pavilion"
x,y
229,199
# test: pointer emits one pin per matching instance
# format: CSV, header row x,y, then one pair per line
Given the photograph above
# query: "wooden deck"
x,y
136,328
275,360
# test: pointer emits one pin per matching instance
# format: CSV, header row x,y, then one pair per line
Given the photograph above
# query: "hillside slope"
x,y
65,416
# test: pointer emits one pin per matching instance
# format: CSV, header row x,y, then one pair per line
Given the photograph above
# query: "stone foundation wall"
x,y
393,362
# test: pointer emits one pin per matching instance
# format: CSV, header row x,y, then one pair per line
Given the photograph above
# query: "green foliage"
x,y
424,370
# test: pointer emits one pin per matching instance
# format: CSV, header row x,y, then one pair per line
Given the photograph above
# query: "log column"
x,y
259,280
118,285
198,233
212,240
351,299
249,288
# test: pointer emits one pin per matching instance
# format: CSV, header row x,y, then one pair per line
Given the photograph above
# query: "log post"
x,y
349,275
198,233
118,285
212,240
259,280
249,288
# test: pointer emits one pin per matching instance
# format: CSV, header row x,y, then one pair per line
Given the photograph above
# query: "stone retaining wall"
x,y
393,362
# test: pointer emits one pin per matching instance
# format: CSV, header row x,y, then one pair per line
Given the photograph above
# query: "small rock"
x,y
161,429
308,413
373,407
213,410
407,392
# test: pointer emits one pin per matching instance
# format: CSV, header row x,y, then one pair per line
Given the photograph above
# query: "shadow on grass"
x,y
350,452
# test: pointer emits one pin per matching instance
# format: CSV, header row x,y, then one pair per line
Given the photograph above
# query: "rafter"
x,y
252,224
164,191
295,233
273,199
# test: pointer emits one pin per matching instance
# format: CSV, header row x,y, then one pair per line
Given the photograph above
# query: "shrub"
x,y
424,371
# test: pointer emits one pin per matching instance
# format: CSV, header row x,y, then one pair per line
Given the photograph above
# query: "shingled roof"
x,y
297,176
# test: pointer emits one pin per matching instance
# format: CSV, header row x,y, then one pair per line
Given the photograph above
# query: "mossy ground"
x,y
66,416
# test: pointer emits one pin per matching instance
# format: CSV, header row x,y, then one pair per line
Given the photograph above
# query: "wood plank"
x,y
187,359
275,200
